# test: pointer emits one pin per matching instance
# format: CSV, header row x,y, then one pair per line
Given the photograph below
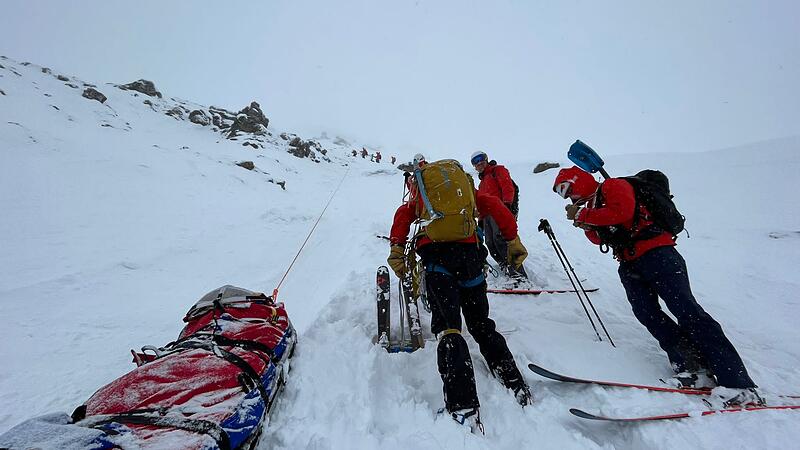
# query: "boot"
x,y
470,417
510,377
740,398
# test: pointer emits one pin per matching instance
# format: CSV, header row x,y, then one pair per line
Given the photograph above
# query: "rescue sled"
x,y
212,388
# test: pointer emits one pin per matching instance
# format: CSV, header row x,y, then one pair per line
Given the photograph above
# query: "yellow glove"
x,y
516,253
397,260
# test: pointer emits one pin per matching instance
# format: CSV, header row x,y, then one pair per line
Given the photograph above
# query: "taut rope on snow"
x,y
333,194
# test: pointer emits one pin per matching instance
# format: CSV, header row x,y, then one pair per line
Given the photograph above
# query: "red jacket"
x,y
496,181
617,209
487,205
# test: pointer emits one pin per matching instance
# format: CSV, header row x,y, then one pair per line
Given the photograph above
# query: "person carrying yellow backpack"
x,y
444,202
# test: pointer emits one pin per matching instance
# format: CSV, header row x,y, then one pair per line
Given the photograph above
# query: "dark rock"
x,y
94,94
175,112
246,164
56,107
199,117
223,113
71,85
541,167
46,70
1,92
250,120
216,119
89,85
62,78
26,64
303,149
282,184
144,86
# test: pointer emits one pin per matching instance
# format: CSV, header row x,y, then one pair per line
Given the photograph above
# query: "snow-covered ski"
x,y
534,291
684,415
567,379
382,296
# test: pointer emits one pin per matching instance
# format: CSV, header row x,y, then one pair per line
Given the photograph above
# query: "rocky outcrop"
x,y
177,112
62,78
144,86
246,164
305,149
249,120
199,117
94,94
221,116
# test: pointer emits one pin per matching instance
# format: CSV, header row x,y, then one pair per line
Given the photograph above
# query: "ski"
x,y
534,291
684,415
383,306
566,379
412,313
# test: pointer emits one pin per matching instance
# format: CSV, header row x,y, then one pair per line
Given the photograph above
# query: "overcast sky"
x,y
519,79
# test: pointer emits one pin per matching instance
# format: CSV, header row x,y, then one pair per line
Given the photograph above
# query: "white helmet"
x,y
418,158
478,156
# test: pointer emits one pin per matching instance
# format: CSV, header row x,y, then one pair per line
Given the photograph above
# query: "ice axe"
x,y
586,158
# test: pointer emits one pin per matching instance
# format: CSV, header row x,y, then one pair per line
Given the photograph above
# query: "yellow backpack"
x,y
448,201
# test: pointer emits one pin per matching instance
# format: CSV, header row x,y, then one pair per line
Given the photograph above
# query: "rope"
x,y
275,291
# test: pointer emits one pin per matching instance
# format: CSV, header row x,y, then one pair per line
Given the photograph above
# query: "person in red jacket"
x,y
496,181
456,284
651,267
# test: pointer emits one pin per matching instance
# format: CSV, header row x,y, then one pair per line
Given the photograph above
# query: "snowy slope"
x,y
112,232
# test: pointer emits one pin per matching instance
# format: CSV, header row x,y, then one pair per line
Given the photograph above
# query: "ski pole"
x,y
584,292
549,231
544,226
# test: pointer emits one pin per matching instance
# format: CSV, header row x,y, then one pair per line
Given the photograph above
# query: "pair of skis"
x,y
683,415
409,310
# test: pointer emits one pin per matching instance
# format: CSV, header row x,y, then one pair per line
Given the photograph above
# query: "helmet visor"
x,y
477,159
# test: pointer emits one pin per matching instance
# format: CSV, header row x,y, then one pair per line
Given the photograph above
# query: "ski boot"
x,y
697,379
740,398
523,395
509,376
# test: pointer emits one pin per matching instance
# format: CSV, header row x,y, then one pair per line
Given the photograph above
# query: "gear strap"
x,y
206,427
437,268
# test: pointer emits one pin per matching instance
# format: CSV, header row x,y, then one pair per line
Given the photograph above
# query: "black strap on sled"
x,y
232,358
206,427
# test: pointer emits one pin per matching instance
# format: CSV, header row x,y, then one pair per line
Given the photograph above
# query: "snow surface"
x,y
116,219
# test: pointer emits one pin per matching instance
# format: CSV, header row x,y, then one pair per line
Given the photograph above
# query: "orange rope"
x,y
275,291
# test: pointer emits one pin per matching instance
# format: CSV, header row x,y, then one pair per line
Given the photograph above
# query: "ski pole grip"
x,y
544,226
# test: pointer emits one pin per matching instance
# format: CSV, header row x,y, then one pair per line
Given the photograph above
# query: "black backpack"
x,y
651,189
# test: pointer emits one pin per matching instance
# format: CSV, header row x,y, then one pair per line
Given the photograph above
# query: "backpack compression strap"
x,y
421,186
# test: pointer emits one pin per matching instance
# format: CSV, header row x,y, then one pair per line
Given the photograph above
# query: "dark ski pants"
x,y
496,244
696,339
455,285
